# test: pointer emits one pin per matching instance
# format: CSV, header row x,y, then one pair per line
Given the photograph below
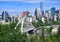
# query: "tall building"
x,y
55,17
47,15
5,16
57,13
41,5
29,18
38,13
41,8
52,13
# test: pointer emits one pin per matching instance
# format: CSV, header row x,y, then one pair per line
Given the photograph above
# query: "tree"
x,y
49,30
0,27
58,33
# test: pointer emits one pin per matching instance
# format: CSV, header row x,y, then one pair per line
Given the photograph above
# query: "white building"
x,y
29,18
49,14
0,17
55,17
34,18
43,19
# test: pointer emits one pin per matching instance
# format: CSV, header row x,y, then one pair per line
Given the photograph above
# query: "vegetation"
x,y
9,34
40,23
58,34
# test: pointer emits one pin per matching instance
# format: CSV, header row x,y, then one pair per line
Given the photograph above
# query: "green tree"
x,y
0,27
49,30
58,33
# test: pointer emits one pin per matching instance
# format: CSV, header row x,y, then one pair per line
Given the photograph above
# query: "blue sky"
x,y
18,6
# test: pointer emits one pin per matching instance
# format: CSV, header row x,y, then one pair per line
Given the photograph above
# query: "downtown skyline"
x,y
18,6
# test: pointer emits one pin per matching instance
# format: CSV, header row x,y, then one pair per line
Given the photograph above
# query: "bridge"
x,y
25,25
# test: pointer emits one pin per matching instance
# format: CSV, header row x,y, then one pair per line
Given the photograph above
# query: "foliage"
x,y
49,29
8,34
58,34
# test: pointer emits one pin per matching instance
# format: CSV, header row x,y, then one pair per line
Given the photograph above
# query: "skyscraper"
x,y
47,14
41,5
5,16
38,13
41,8
52,13
59,15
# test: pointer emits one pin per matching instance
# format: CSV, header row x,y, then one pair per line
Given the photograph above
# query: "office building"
x,y
52,13
38,13
57,13
41,8
5,16
47,15
55,17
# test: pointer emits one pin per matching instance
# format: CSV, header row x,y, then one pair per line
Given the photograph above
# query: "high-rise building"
x,y
38,13
47,14
41,8
5,16
52,13
59,15
55,17
41,5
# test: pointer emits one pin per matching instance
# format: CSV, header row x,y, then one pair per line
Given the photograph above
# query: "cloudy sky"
x,y
18,6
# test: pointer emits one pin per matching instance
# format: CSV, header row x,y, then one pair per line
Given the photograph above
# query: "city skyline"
x,y
18,6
